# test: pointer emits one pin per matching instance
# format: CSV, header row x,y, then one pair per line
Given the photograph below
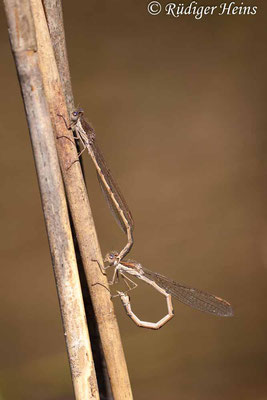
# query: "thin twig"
x,y
81,214
54,16
24,47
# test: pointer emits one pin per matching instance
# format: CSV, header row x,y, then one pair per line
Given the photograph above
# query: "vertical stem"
x,y
24,47
54,16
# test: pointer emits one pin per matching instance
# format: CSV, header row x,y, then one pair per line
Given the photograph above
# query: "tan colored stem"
x,y
54,17
82,216
24,47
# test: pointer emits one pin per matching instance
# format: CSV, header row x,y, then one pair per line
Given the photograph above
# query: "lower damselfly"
x,y
169,288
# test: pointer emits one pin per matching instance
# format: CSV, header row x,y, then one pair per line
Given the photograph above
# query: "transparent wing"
x,y
115,190
112,207
194,298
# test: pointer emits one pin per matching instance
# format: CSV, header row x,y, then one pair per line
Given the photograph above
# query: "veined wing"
x,y
111,205
115,190
194,298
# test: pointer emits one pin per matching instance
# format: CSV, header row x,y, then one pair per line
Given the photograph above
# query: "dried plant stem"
x,y
54,17
81,214
24,47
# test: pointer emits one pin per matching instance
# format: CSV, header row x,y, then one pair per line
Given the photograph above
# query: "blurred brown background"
x,y
179,107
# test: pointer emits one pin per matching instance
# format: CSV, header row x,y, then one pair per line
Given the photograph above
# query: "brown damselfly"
x,y
194,298
119,208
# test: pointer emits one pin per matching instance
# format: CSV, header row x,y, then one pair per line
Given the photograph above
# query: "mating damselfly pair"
x,y
194,298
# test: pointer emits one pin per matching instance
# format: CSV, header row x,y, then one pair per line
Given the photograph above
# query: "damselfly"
x,y
194,298
86,134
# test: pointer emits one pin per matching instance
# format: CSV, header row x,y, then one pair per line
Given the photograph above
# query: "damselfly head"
x,y
111,257
76,114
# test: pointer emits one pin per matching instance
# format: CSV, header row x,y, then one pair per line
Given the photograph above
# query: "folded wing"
x,y
194,298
